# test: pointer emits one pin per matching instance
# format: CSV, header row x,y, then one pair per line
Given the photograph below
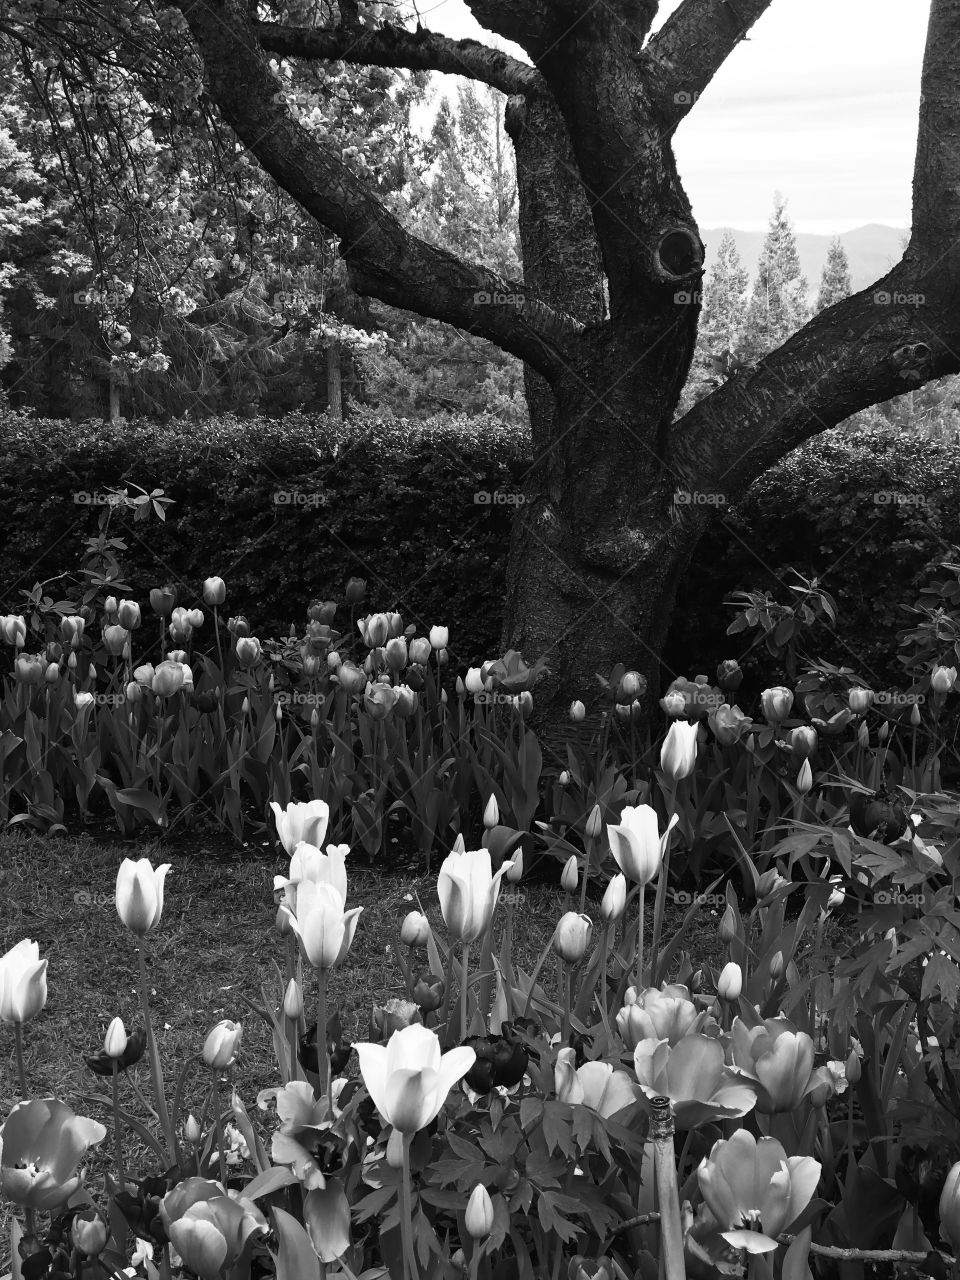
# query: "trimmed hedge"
x,y
394,503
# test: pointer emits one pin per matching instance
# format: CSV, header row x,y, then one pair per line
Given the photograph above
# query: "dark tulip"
x,y
54,651
510,1060
338,1049
580,1043
415,680
879,816
356,589
238,626
207,700
480,1077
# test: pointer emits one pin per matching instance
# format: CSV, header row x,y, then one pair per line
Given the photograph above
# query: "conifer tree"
x,y
778,303
835,282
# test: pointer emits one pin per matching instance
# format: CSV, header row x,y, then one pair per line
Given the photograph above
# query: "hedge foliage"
x,y
394,503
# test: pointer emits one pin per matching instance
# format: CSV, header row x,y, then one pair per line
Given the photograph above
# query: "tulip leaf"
x,y
296,1258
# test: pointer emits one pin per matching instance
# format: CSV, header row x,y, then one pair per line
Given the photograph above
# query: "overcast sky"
x,y
820,103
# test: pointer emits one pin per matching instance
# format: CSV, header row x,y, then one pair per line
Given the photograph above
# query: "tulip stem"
x,y
640,987
406,1213
219,1127
323,1056
445,1007
117,1134
21,1070
568,1001
588,844
154,1059
464,988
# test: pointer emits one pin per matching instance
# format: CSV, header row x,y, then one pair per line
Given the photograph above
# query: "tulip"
x,y
656,1014
415,929
238,626
115,638
395,653
746,1182
803,740
41,1144
83,698
776,703
614,901
729,675
293,1001
729,724
479,1216
578,711
214,592
355,591
859,699
169,678
778,1061
420,650
195,617
23,983
596,1084
468,889
192,1132
572,937
679,752
674,704
13,629
207,1227
30,669
221,1045
409,1078
324,928
569,876
594,823
162,600
393,1016
728,924
775,966
805,778
943,679
693,1075
730,982
90,1233
248,651
351,678
299,823
374,630
950,1204
428,992
491,813
115,1041
439,637
139,894
636,843
128,614
515,868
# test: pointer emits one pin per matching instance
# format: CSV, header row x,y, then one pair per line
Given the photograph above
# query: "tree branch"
x,y
683,57
390,46
384,260
869,348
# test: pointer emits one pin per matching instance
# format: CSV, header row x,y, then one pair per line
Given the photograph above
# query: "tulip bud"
x,y
730,982
192,1132
775,967
214,592
569,877
572,937
479,1215
293,1000
728,924
248,650
428,992
594,824
115,1041
52,673
439,637
729,675
863,734
803,740
614,899
90,1233
564,778
805,778
883,732
859,699
238,626
491,813
915,715
943,679
515,871
578,711
110,606
115,638
631,684
415,929
221,1045
282,922
852,1068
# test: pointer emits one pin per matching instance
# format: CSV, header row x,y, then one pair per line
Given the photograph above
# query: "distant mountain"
x,y
872,250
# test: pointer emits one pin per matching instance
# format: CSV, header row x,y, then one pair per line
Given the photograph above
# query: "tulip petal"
x,y
326,1215
752,1241
373,1070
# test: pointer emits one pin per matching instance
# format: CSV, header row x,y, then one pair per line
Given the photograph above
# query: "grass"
x,y
216,943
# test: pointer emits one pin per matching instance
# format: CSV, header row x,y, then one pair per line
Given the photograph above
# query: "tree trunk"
x,y
114,399
334,380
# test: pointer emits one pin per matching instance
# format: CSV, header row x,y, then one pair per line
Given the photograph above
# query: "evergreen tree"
x,y
724,298
835,282
778,303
